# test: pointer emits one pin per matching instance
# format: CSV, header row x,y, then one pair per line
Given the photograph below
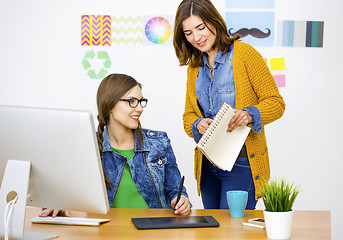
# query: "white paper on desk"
x,y
222,148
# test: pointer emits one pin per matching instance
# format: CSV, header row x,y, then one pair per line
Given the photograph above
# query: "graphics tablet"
x,y
175,222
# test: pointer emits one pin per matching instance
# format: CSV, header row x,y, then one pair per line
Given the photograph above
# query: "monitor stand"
x,y
15,182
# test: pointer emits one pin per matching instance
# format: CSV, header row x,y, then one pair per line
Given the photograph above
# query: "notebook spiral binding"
x,y
213,124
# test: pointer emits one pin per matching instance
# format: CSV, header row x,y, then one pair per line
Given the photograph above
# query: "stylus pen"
x,y
180,191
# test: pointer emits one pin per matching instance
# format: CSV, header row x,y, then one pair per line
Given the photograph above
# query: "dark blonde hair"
x,y
111,89
205,10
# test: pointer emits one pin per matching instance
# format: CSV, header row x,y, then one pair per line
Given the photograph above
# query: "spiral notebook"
x,y
219,146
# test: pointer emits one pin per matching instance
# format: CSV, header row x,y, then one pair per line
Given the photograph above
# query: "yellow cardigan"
x,y
254,86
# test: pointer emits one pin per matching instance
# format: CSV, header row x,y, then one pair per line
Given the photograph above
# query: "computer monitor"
x,y
61,145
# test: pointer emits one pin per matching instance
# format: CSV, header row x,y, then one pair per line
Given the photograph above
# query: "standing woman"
x,y
223,69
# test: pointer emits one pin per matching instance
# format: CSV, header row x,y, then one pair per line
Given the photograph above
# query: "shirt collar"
x,y
220,59
106,145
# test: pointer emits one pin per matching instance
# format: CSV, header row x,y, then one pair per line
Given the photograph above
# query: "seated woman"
x,y
139,164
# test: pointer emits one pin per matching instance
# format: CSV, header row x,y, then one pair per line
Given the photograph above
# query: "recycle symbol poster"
x,y
96,64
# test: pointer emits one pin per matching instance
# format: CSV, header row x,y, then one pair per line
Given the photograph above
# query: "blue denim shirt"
x,y
157,177
213,92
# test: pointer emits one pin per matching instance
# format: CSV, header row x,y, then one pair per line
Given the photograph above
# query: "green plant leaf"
x,y
278,195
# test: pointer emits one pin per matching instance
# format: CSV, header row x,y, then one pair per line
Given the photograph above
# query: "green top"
x,y
128,195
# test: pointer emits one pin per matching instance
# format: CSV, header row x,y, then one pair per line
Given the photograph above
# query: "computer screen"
x,y
66,169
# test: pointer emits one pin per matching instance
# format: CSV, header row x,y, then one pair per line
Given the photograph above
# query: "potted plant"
x,y
278,197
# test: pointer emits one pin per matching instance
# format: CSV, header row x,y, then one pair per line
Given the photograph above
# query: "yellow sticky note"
x,y
277,63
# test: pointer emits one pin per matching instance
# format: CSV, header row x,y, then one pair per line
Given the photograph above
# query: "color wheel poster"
x,y
157,30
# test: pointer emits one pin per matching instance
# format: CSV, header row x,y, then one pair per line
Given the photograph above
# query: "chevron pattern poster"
x,y
96,30
127,30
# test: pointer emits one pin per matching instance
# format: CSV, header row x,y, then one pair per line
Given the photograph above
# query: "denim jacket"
x,y
156,175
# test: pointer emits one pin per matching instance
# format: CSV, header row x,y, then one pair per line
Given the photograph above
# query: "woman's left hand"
x,y
241,118
183,207
54,213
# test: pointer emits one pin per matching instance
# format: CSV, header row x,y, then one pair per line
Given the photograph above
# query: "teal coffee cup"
x,y
237,201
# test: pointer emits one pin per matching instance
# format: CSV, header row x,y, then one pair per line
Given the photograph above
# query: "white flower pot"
x,y
278,224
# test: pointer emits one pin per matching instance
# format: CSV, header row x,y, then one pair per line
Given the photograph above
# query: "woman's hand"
x,y
241,118
203,125
183,207
54,212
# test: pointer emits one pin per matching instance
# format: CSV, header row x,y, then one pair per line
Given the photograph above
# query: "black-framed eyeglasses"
x,y
133,102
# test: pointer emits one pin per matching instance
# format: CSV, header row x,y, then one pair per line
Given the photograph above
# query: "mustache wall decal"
x,y
253,32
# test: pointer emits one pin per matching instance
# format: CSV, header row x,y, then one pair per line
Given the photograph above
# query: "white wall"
x,y
40,59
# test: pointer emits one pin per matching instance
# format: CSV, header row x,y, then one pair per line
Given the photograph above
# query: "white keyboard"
x,y
70,221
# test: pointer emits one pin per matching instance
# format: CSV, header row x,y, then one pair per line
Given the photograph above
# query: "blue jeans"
x,y
216,182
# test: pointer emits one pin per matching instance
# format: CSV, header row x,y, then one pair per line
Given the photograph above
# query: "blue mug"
x,y
237,201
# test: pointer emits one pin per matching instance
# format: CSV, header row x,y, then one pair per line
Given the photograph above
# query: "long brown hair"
x,y
111,89
205,10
